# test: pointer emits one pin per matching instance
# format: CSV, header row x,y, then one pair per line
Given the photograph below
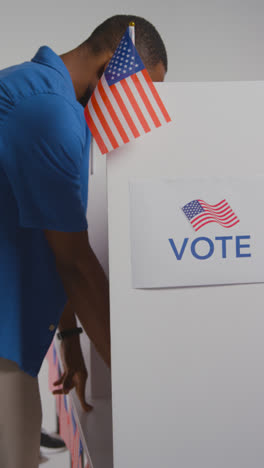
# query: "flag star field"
x,y
125,62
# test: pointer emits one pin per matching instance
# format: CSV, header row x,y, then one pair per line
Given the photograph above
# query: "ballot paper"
x,y
196,231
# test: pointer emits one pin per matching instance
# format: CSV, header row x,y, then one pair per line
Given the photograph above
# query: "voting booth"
x,y
187,332
186,271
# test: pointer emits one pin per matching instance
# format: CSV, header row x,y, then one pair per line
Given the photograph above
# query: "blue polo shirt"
x,y
44,159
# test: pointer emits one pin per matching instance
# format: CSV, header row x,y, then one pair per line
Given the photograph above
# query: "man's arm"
x,y
86,286
67,319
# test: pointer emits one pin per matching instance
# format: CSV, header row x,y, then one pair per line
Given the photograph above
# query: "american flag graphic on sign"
x,y
125,103
200,213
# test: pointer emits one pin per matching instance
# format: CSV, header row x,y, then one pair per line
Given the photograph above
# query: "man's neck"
x,y
84,68
77,63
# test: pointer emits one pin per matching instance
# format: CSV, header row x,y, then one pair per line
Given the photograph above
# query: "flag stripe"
x,y
153,101
116,108
212,221
219,213
140,103
213,206
146,100
223,217
124,111
130,109
232,218
216,210
107,117
103,148
205,220
112,112
135,105
104,123
156,96
99,133
217,220
217,207
99,127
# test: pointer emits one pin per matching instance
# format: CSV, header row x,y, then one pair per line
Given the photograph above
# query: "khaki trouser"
x,y
20,417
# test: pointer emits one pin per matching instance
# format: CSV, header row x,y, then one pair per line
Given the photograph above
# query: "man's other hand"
x,y
75,373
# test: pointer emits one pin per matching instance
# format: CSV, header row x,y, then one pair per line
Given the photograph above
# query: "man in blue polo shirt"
x,y
48,272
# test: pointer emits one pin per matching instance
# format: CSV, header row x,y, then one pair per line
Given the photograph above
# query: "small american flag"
x,y
200,213
125,103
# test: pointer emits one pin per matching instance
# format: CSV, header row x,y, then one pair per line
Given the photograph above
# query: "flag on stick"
x,y
125,103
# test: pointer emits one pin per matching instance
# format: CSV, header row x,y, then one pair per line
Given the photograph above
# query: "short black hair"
x,y
149,44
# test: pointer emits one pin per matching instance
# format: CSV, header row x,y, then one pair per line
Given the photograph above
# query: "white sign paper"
x,y
190,232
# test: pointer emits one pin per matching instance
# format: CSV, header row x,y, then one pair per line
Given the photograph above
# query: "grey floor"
x,y
54,460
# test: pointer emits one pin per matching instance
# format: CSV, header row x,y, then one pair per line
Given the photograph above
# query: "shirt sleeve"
x,y
43,161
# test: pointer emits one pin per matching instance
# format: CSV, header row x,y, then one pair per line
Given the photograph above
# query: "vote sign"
x,y
204,231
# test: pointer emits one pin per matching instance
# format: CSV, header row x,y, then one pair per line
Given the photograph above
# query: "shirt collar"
x,y
46,56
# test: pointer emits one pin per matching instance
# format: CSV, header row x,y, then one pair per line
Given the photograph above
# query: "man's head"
x,y
98,49
148,41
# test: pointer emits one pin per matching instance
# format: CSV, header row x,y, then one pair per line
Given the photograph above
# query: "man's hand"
x,y
75,373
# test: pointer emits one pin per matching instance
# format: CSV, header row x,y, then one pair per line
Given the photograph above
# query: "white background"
x,y
206,40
